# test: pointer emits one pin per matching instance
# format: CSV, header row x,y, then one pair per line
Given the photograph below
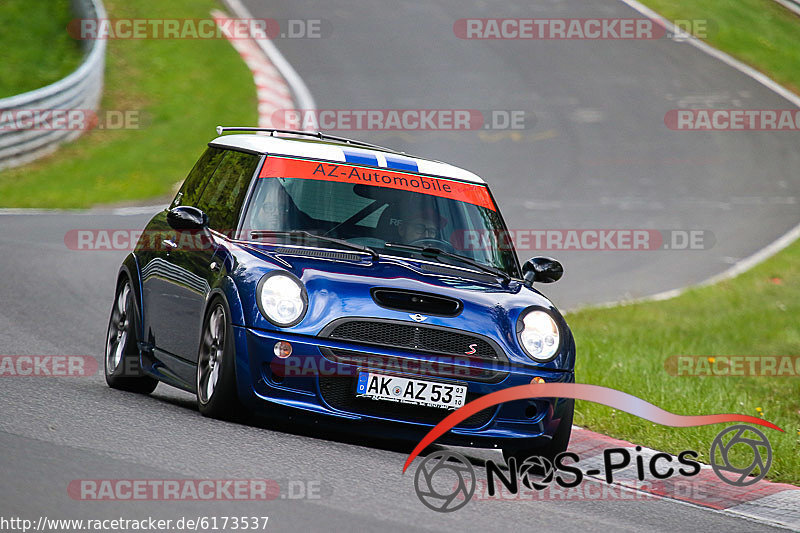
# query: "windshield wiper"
x,y
438,252
308,235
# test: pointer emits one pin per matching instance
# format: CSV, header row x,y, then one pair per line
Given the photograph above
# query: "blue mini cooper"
x,y
347,282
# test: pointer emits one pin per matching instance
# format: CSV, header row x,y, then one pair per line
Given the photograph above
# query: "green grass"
x,y
761,33
35,49
757,313
181,87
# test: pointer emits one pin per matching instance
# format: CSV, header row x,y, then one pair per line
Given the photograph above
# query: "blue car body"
x,y
346,327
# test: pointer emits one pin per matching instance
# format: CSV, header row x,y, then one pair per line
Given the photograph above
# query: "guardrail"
x,y
81,90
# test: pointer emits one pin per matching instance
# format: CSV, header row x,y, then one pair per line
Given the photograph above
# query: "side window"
x,y
223,196
192,187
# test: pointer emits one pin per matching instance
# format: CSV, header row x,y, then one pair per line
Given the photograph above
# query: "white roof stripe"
x,y
266,144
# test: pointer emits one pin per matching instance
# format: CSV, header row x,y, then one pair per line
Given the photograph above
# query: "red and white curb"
x,y
278,85
772,503
272,90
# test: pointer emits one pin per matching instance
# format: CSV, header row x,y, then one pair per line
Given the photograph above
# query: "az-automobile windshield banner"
x,y
285,167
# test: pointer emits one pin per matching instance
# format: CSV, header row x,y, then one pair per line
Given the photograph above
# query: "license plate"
x,y
410,390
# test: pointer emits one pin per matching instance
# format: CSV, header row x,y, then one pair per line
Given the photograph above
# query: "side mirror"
x,y
186,218
542,270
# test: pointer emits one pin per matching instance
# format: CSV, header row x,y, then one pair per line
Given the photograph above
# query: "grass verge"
x,y
36,50
754,314
179,90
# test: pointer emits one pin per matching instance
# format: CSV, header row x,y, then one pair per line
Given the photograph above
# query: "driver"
x,y
426,225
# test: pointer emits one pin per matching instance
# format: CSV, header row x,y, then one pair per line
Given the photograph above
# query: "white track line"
x,y
115,211
272,91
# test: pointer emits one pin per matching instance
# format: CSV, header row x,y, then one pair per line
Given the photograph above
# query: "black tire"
x,y
217,353
121,362
551,448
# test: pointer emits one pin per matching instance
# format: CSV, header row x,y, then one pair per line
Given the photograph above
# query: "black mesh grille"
x,y
340,393
414,337
442,369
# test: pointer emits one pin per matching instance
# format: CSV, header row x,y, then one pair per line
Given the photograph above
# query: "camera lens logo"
x,y
445,481
740,435
536,472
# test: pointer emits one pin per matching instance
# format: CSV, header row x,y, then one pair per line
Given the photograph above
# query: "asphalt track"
x,y
598,156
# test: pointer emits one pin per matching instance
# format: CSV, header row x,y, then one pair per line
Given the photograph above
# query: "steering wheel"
x,y
367,241
430,242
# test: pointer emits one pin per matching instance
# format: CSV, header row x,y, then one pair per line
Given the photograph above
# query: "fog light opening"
x,y
531,411
282,349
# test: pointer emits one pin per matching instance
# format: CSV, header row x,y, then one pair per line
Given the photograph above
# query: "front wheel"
x,y
216,380
122,368
552,448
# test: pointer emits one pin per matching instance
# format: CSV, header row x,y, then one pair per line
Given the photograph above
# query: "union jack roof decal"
x,y
340,152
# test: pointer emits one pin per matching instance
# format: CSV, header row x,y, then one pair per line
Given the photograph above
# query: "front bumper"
x,y
318,386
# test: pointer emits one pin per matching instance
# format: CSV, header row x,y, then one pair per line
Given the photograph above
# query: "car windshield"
x,y
372,207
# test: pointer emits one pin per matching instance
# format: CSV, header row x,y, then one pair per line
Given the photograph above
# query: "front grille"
x,y
413,337
422,367
340,393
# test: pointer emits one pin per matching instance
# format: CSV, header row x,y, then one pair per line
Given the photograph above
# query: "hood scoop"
x,y
416,302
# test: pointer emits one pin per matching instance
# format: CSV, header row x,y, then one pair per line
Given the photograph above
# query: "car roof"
x,y
343,152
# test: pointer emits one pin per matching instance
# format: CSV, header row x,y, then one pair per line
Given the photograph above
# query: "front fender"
x,y
130,268
226,288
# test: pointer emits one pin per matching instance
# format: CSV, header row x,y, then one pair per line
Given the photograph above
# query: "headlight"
x,y
282,299
538,334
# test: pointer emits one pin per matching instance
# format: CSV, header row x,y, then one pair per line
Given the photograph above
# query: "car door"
x,y
155,252
189,268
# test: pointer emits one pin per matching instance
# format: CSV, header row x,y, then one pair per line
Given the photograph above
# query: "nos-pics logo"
x,y
445,481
